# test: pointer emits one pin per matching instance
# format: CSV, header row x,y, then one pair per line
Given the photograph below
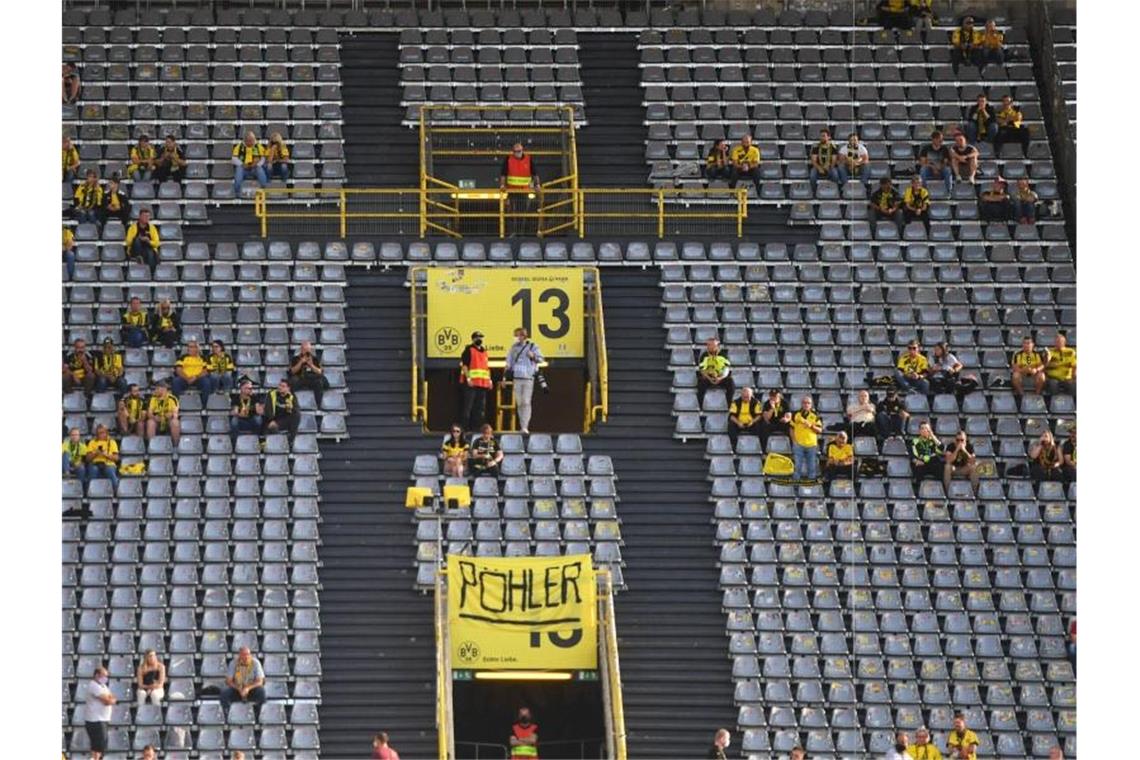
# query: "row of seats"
x,y
244,53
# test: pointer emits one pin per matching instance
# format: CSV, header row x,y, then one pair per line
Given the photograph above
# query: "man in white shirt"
x,y
898,752
97,704
853,160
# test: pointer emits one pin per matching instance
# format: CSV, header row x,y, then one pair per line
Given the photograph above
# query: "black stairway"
x,y
611,148
377,639
381,152
671,631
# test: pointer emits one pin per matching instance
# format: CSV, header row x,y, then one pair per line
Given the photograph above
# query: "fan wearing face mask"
x,y
524,737
475,377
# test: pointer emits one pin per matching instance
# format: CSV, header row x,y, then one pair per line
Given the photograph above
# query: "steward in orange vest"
x,y
475,377
518,177
524,737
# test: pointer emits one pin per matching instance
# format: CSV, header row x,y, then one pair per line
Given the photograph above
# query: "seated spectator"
x,y
281,410
1072,647
743,415
1028,364
485,453
221,367
246,411
142,240
945,371
806,427
714,370
923,13
165,326
69,252
115,204
190,373
895,14
745,159
824,158
78,371
854,160
134,324
981,121
934,161
149,753
993,202
1069,456
162,414
925,454
916,203
278,158
71,84
960,460
775,418
911,370
1061,367
963,159
840,459
170,164
798,753
718,164
143,160
74,457
70,160
962,743
923,748
109,373
890,420
131,412
454,452
249,161
306,372
901,748
965,44
245,683
103,457
150,679
861,415
1046,462
87,199
1024,202
886,203
990,46
1055,753
381,750
1009,127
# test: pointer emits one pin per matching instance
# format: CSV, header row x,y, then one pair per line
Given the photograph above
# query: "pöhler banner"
x,y
522,613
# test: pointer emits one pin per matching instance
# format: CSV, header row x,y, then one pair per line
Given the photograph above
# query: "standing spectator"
x,y
142,240
962,743
165,326
522,367
981,121
853,160
381,750
1024,202
134,324
1027,364
245,683
911,370
990,46
895,14
246,411
475,377
840,458
71,84
861,415
249,160
97,703
281,412
892,415
721,739
714,370
745,160
806,427
926,454
306,373
1061,367
1046,462
1069,457
115,204
934,161
78,371
87,199
453,452
916,203
1009,127
923,748
485,453
923,13
886,203
718,165
162,414
74,454
775,418
278,158
824,158
900,749
143,160
190,372
171,164
221,367
743,415
960,460
103,457
964,44
131,412
69,252
963,159
70,160
108,365
150,679
993,203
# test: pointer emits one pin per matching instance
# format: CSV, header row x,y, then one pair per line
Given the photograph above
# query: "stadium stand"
x,y
1065,41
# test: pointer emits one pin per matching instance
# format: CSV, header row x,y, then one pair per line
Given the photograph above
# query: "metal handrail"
x,y
613,666
603,359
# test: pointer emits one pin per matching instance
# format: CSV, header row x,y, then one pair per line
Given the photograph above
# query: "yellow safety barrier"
x,y
615,717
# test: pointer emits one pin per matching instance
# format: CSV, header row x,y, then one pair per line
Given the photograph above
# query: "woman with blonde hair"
x,y
278,157
150,680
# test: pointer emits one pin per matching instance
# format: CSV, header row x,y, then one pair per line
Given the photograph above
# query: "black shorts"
x,y
97,736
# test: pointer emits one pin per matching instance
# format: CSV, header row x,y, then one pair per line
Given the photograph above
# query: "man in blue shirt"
x,y
523,359
246,681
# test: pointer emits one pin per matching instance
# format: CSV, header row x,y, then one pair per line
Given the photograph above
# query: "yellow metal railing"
x,y
443,703
602,407
419,382
615,717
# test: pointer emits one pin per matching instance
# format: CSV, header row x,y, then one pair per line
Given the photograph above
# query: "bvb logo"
x,y
469,651
447,339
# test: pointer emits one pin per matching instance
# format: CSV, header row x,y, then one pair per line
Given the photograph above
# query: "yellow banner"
x,y
547,301
522,613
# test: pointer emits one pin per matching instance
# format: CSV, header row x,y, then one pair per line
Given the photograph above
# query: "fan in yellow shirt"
x,y
923,748
74,457
103,457
162,414
190,371
911,370
840,458
1061,368
1027,364
806,427
961,742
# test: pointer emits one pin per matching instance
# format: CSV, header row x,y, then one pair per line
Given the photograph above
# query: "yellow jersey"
x,y
134,407
1009,117
928,751
220,362
1027,360
967,738
75,450
192,366
913,364
916,199
151,233
992,41
140,156
103,450
743,412
837,453
451,448
1062,363
109,364
68,238
802,432
70,158
740,155
249,154
163,408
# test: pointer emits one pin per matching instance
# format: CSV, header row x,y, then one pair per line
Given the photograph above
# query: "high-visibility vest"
x,y
526,751
478,371
518,171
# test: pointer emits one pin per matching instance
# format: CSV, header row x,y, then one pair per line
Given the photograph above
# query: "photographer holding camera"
x,y
522,363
